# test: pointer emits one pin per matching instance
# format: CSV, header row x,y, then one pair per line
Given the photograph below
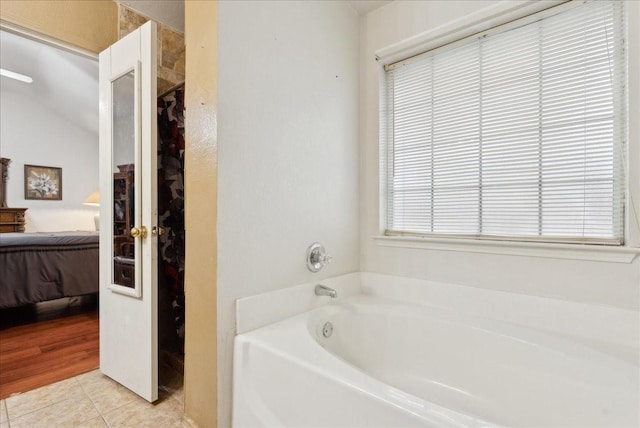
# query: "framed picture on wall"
x,y
42,182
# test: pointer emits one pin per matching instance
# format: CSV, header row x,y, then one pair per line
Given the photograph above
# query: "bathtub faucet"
x,y
323,290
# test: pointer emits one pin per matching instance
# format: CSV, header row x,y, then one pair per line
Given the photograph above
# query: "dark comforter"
x,y
35,267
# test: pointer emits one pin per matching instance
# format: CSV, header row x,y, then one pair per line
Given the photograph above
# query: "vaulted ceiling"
x,y
63,82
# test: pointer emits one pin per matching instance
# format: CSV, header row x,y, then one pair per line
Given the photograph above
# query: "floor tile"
x,y
67,413
105,393
3,412
113,398
166,413
21,404
92,400
94,381
93,423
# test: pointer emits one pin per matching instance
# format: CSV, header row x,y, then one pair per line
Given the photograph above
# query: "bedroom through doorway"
x,y
49,248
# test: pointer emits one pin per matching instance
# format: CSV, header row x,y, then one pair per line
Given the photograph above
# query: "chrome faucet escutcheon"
x,y
317,257
323,290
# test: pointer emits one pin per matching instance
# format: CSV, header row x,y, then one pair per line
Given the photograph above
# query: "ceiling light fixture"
x,y
16,76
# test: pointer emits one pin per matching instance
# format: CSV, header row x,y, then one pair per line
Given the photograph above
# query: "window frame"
x,y
498,18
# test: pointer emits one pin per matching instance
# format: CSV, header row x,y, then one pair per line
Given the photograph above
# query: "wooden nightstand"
x,y
12,219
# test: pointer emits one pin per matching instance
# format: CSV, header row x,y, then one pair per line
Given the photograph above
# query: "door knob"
x,y
141,232
157,230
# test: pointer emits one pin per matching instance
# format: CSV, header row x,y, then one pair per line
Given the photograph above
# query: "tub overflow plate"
x,y
327,329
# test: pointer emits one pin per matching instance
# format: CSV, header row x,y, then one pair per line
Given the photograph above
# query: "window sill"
x,y
529,249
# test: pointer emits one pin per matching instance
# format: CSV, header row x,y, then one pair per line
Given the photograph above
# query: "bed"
x,y
36,267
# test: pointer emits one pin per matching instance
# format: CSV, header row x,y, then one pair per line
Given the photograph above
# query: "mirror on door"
x,y
124,151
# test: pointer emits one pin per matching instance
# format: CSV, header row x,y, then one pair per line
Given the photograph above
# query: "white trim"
x,y
514,248
632,204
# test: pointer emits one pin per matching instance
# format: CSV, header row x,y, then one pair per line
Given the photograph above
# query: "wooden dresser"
x,y
12,219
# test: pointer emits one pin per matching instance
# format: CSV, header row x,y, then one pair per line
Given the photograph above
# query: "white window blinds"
x,y
514,134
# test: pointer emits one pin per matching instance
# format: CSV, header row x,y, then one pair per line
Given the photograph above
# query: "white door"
x,y
128,212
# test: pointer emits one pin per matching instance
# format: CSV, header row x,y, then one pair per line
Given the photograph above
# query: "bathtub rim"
x,y
604,328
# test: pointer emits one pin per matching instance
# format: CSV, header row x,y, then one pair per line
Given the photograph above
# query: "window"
x,y
516,133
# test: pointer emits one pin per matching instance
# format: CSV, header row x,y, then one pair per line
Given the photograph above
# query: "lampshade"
x,y
93,199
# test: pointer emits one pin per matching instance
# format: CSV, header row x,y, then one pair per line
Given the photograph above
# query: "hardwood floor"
x,y
42,345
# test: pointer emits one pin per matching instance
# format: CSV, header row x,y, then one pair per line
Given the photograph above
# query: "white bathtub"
x,y
392,365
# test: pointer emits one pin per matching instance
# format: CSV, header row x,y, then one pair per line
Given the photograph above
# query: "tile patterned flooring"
x,y
93,400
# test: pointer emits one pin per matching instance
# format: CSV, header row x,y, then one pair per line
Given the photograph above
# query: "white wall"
x,y
51,122
35,135
288,151
599,282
